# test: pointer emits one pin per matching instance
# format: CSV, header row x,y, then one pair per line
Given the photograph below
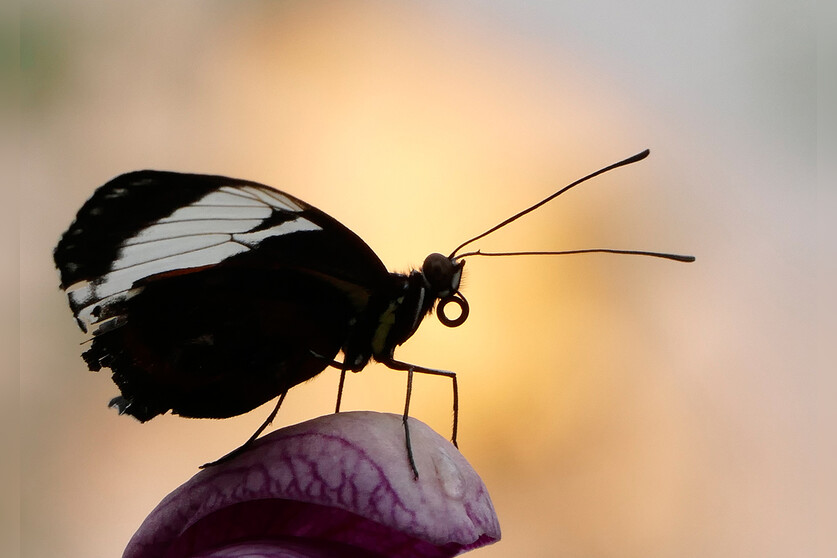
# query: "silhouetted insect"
x,y
208,296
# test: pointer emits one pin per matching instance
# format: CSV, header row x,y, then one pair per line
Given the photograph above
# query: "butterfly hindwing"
x,y
209,295
222,341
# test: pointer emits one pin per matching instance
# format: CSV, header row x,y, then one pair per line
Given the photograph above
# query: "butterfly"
x,y
207,296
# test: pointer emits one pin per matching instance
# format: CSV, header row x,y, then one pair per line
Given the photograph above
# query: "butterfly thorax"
x,y
395,314
390,319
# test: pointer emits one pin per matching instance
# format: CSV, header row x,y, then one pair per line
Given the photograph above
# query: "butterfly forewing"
x,y
209,295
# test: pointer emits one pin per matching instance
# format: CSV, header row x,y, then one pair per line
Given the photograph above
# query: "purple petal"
x,y
338,485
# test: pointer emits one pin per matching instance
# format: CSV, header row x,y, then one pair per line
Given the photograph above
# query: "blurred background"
x,y
615,406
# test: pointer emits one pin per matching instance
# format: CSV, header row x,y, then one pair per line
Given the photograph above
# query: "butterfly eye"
x,y
463,310
441,273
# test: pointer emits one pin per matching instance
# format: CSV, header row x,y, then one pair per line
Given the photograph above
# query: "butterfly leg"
x,y
340,389
343,369
398,365
405,420
410,368
252,438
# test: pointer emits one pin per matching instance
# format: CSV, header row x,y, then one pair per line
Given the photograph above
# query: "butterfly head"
x,y
442,276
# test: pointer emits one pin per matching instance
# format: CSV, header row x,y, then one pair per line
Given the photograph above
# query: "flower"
x,y
338,485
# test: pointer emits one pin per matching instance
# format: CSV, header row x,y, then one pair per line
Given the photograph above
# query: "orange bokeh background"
x,y
615,406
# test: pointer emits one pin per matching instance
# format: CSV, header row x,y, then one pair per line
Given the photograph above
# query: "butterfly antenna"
x,y
516,216
675,257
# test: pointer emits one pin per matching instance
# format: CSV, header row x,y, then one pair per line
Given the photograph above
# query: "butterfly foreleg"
x,y
398,365
410,368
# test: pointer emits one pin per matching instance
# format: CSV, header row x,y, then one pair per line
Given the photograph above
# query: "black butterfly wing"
x,y
208,295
